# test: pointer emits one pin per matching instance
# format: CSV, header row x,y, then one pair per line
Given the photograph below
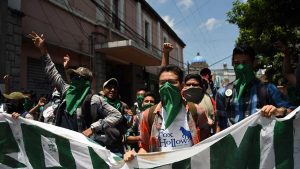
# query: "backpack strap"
x,y
151,116
86,110
193,111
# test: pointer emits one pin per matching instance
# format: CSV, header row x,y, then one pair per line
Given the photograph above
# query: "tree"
x,y
262,23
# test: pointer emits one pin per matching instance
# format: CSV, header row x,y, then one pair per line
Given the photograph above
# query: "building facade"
x,y
114,38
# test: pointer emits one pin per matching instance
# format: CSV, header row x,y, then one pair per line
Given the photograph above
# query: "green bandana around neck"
x,y
171,102
139,100
244,75
76,93
114,102
146,106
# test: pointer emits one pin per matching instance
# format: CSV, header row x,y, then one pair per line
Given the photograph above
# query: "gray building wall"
x,y
11,40
3,16
99,70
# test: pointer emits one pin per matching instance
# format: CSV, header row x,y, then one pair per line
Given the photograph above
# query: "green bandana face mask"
x,y
115,103
28,104
171,101
139,100
244,75
76,93
146,106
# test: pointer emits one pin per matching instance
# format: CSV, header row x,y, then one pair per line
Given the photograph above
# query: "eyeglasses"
x,y
171,81
192,84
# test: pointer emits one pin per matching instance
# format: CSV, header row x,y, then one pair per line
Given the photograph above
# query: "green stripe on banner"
x,y
8,145
284,144
248,153
34,150
221,153
226,155
97,161
184,164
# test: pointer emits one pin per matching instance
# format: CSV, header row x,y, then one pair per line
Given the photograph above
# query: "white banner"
x,y
31,144
255,142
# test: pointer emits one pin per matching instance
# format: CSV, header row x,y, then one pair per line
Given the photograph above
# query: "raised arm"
x,y
6,80
50,69
167,47
66,65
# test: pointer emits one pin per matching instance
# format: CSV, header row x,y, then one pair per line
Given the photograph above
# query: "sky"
x,y
202,26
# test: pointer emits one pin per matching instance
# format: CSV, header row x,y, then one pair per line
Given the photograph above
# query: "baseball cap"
x,y
15,96
111,81
82,72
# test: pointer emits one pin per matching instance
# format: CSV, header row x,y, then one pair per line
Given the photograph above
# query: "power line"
x,y
50,24
220,60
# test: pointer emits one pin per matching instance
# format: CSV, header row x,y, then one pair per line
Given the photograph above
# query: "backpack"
x,y
151,114
63,119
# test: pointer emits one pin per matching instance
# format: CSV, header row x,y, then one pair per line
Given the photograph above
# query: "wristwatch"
x,y
93,128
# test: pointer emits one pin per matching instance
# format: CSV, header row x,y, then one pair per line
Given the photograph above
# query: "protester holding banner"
x,y
80,110
242,97
14,103
175,123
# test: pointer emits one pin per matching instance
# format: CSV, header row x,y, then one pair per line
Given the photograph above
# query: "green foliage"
x,y
262,23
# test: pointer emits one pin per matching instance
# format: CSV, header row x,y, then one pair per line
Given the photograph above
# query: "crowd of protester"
x,y
190,109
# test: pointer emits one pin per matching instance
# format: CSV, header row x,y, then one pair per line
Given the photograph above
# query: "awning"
x,y
129,51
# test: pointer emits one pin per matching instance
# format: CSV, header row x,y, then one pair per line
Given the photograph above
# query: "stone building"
x,y
114,38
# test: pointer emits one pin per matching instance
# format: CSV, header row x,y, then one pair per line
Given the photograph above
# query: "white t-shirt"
x,y
177,135
2,108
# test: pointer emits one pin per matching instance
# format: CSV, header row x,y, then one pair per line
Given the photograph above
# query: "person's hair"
x,y
142,88
151,94
194,76
205,71
172,68
244,49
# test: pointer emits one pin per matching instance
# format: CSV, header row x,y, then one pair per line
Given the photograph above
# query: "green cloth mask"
x,y
146,106
139,100
171,101
244,75
114,102
76,93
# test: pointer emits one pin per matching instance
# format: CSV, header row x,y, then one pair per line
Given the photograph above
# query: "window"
x,y
147,32
147,35
165,38
99,12
115,15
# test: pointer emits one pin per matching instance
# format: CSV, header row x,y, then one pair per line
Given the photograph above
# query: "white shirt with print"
x,y
177,135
